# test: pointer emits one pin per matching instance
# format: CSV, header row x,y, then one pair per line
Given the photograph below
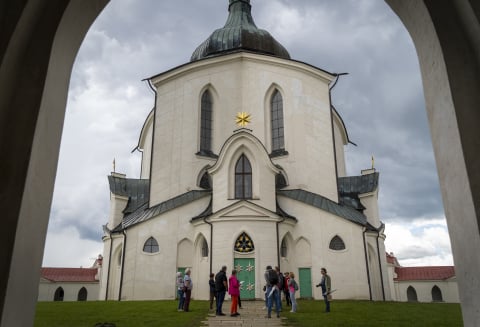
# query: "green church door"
x,y
246,275
305,279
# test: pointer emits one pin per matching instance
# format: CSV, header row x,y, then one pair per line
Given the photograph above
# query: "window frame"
x,y
206,124
335,241
150,244
277,126
243,179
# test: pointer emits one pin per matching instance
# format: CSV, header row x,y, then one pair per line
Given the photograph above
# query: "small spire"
x,y
373,162
113,164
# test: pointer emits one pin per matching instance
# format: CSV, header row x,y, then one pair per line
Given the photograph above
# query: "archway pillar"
x,y
446,34
39,42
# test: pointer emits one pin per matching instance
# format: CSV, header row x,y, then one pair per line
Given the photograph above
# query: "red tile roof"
x,y
424,273
70,274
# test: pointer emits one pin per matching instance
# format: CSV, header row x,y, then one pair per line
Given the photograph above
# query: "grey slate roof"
x,y
144,213
137,191
323,203
350,187
239,32
358,184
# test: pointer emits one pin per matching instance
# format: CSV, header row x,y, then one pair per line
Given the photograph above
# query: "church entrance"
x,y
245,268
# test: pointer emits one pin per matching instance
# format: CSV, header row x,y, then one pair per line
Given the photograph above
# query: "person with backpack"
x,y
292,288
272,292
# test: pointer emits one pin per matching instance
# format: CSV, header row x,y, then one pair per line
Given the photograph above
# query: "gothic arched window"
x,y
336,243
206,124
82,294
243,178
276,113
436,294
204,248
150,246
284,248
244,243
411,294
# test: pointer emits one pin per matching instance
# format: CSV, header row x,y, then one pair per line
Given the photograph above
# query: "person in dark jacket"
x,y
221,287
326,284
211,283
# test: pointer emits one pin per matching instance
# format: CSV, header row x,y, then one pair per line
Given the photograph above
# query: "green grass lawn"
x,y
310,313
367,313
122,314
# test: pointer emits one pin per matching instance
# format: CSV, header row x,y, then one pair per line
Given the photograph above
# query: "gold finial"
x,y
373,162
113,164
243,119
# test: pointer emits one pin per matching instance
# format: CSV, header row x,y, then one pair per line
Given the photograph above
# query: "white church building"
x,y
243,165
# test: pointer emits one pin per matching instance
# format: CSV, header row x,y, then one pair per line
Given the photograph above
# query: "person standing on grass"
x,y
280,285
180,284
221,287
211,284
234,291
286,290
188,289
292,288
326,284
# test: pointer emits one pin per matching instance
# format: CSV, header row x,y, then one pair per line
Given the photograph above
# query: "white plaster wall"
x,y
424,290
117,205
145,145
46,290
346,268
370,202
340,142
152,276
240,83
263,172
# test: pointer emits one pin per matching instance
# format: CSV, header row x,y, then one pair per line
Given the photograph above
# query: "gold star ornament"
x,y
243,119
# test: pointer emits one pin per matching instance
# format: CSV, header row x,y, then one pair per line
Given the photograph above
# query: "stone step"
x,y
252,314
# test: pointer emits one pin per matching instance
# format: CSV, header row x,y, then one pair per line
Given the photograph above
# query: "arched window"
x,y
436,294
206,124
243,178
59,293
411,294
284,248
244,243
336,243
82,294
276,111
150,246
204,248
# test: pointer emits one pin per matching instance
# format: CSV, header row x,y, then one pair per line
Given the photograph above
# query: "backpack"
x,y
295,285
272,277
281,281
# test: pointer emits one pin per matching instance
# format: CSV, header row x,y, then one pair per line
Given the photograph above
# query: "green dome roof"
x,y
239,33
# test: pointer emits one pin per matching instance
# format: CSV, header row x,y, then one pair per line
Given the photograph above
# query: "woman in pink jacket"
x,y
234,291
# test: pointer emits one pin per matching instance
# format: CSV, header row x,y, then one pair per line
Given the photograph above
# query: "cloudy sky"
x,y
380,101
